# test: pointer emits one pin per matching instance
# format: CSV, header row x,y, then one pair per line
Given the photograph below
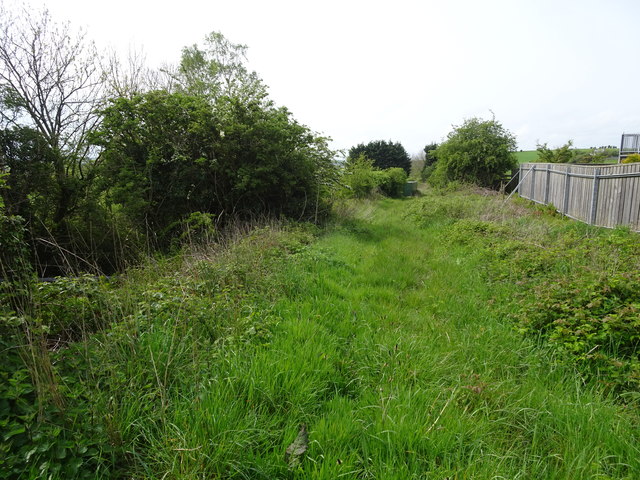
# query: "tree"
x,y
157,159
50,81
429,154
429,161
218,70
563,154
31,185
133,76
384,154
478,151
269,163
168,155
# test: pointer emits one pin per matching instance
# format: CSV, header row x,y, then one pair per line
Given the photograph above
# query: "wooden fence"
x,y
603,195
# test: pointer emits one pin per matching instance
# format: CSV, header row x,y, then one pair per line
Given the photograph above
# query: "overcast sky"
x,y
550,70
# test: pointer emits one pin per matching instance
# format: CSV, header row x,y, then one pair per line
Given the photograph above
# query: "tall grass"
x,y
389,335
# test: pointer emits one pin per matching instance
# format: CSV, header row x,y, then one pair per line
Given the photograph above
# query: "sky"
x,y
409,71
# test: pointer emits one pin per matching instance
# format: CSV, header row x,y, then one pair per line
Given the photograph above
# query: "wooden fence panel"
x,y
603,195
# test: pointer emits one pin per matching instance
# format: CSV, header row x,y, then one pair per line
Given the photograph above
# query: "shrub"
x,y
633,158
359,177
392,181
478,151
563,154
383,154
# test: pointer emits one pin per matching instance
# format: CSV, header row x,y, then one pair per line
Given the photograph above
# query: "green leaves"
x,y
383,154
478,151
563,154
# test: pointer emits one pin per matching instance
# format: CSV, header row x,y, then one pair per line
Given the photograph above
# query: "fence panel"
x,y
603,195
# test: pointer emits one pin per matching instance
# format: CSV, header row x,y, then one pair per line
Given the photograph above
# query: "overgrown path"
x,y
389,346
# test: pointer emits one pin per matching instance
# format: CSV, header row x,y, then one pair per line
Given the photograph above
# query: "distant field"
x,y
527,156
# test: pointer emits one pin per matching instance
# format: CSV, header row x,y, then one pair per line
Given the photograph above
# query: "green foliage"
x,y
384,154
31,189
429,154
584,301
478,151
563,154
268,163
363,179
167,156
70,307
575,286
429,161
218,69
48,441
360,176
16,272
391,182
157,159
633,158
215,359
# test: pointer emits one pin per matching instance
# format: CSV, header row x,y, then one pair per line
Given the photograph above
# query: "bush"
x,y
359,177
563,154
383,154
362,179
392,181
633,158
478,151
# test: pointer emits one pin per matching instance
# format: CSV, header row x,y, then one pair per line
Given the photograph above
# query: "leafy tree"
x,y
218,70
359,176
50,81
158,158
478,151
270,163
384,154
31,190
563,154
429,161
429,154
167,155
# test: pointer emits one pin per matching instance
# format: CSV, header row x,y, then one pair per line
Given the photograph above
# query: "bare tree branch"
x,y
52,75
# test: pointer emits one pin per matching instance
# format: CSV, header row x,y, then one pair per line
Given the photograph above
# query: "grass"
x,y
530,156
527,156
383,335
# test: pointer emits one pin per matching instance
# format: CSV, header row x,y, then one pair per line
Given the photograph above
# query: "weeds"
x,y
392,342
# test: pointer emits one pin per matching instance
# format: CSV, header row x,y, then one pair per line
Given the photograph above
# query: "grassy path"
x,y
389,347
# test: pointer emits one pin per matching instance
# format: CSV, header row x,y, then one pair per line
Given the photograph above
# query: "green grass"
x,y
527,156
530,156
384,336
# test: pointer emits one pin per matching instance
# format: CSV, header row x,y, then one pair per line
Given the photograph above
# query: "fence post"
x,y
546,186
533,184
594,196
567,182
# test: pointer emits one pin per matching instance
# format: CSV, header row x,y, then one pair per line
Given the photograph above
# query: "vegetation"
x,y
455,335
568,154
105,170
478,151
429,161
563,154
384,154
390,338
362,179
633,158
526,156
